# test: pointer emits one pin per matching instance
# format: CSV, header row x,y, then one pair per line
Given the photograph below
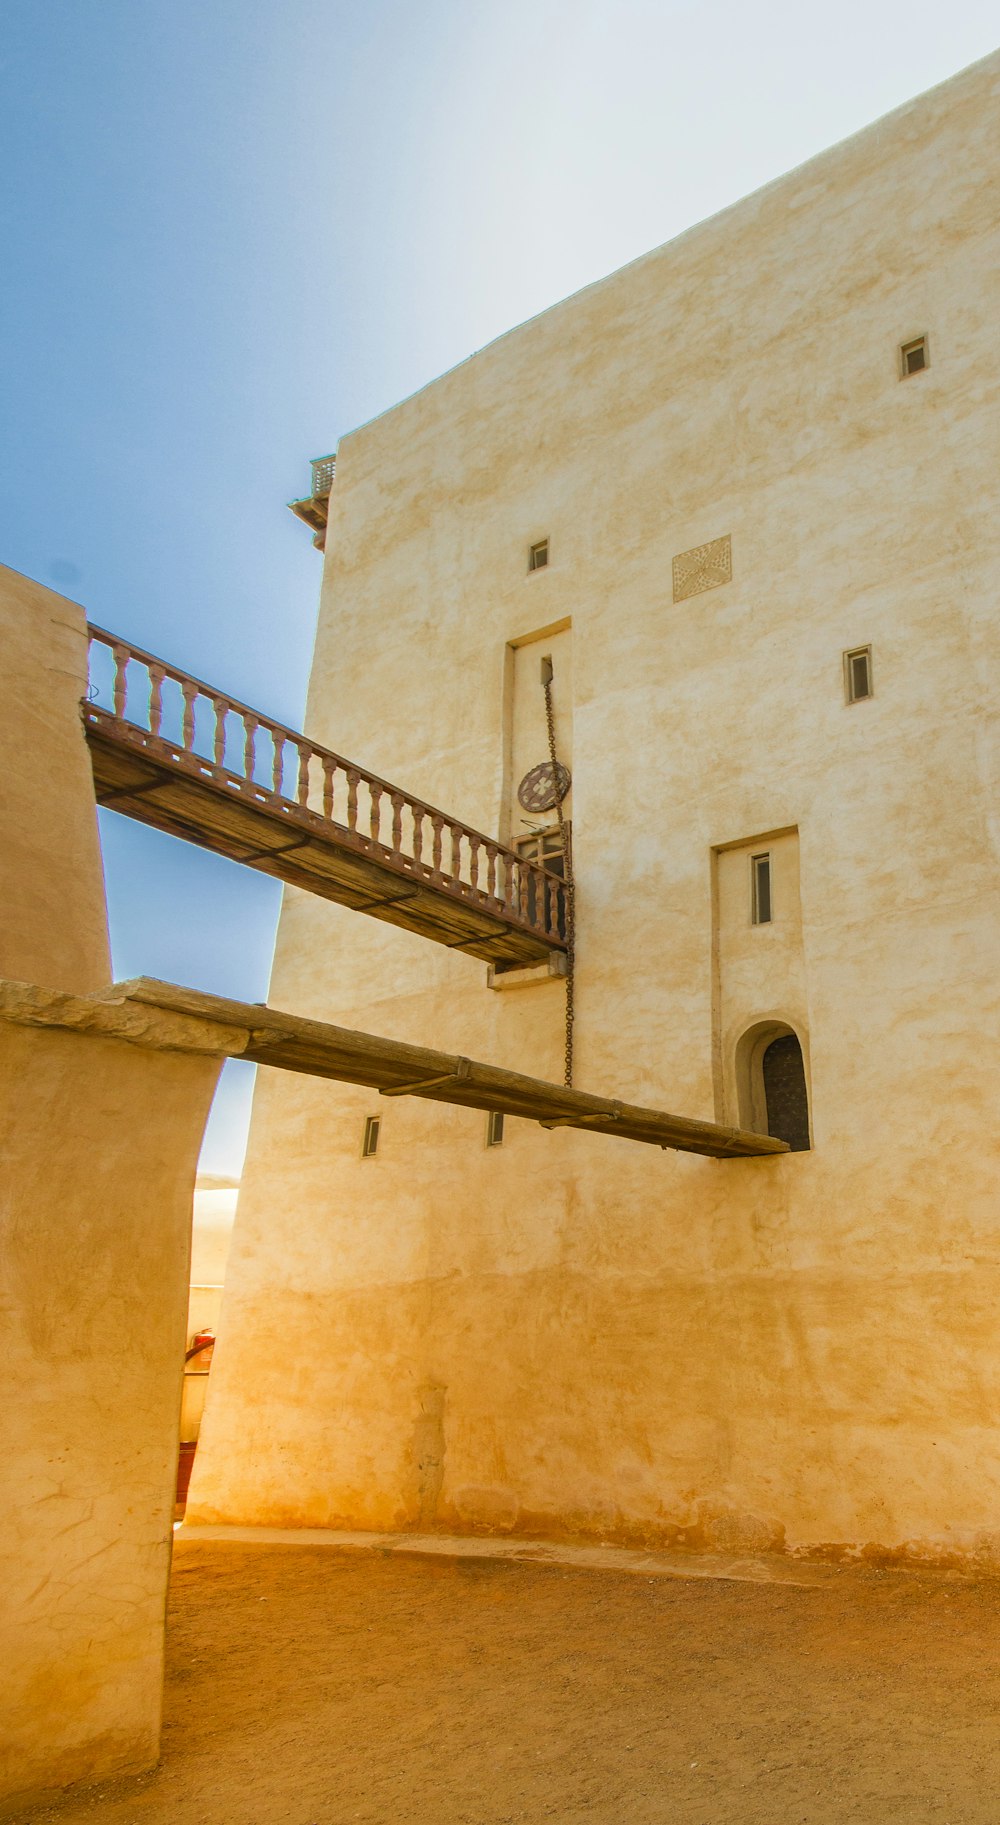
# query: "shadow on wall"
x,y
771,1083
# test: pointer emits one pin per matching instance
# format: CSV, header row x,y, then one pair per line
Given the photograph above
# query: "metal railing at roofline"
x,y
208,734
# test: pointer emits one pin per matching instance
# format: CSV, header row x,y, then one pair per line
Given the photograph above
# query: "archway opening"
x,y
771,1084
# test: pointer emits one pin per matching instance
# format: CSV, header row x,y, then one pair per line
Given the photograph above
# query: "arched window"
x,y
785,1097
771,1083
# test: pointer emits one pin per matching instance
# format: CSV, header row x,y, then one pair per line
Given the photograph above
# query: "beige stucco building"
x,y
766,446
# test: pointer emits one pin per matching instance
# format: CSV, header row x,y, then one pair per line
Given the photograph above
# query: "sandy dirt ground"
x,y
310,1686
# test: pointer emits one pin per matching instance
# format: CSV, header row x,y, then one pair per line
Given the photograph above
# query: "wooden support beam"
x,y
163,1015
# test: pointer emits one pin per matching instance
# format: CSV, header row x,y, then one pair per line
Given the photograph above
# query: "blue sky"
x,y
233,229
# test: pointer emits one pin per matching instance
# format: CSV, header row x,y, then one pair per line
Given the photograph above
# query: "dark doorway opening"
x,y
785,1092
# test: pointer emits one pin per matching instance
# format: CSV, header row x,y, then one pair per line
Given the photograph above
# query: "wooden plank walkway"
x,y
176,753
161,1014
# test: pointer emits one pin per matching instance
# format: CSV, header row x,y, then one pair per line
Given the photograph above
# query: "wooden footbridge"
x,y
174,752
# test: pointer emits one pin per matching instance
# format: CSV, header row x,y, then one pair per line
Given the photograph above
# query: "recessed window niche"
x,y
760,995
538,555
914,357
771,1083
857,674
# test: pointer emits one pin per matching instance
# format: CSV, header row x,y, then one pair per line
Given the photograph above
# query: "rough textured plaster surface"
x,y
564,1335
111,1015
98,1146
53,928
99,1143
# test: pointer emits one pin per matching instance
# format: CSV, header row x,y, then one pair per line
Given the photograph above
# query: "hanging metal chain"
x,y
568,876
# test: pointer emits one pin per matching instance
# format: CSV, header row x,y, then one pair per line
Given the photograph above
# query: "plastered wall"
x,y
569,1334
95,1247
53,928
98,1147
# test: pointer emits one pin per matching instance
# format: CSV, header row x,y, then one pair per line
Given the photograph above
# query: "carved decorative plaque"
x,y
703,567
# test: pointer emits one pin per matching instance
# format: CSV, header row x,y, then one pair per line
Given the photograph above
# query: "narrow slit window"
x,y
494,1128
369,1146
538,555
913,357
760,889
858,674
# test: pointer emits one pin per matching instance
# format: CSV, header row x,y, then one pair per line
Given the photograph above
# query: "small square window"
x,y
494,1128
369,1146
913,357
760,890
538,555
858,674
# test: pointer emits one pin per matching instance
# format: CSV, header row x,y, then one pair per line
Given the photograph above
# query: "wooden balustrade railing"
x,y
143,701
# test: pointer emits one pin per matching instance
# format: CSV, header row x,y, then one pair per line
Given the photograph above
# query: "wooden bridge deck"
x,y
175,753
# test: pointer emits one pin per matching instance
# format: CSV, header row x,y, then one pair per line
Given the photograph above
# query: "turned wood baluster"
x,y
540,900
491,871
329,770
474,862
277,761
221,712
305,755
522,889
536,899
397,801
437,825
353,780
156,677
121,657
418,834
190,693
375,814
250,727
455,872
551,908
